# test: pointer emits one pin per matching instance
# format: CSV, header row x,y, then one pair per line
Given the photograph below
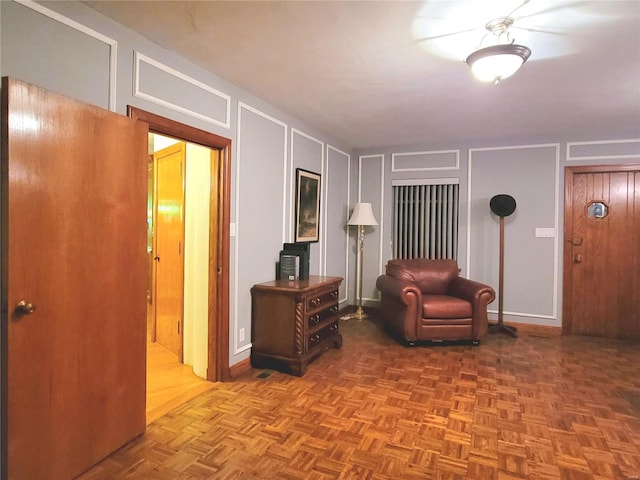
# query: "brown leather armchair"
x,y
425,299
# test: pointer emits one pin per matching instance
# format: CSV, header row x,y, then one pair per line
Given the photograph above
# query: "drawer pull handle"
x,y
333,327
334,294
315,301
334,309
315,338
315,318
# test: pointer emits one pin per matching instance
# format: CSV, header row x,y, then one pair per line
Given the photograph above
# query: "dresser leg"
x,y
298,369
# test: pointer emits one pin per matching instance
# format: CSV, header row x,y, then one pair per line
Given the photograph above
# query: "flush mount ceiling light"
x,y
499,61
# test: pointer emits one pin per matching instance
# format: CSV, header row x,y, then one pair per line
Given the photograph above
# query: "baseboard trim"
x,y
532,328
239,368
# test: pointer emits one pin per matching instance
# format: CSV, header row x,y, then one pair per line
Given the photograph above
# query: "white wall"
x,y
71,49
532,174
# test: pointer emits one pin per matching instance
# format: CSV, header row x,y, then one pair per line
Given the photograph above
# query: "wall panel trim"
x,y
137,91
323,199
426,154
110,42
609,156
556,146
380,213
236,266
346,253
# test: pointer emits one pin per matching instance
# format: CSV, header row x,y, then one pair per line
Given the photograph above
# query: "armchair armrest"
x,y
470,290
400,306
400,289
480,296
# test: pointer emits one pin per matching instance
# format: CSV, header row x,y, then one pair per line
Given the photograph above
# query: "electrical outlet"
x,y
241,334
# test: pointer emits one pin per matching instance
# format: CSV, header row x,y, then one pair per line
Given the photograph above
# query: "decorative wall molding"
x,y
323,200
450,160
380,213
110,42
238,160
603,150
525,315
556,146
346,253
138,92
366,157
244,106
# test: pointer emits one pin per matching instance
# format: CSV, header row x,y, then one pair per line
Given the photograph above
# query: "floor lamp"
x,y
362,215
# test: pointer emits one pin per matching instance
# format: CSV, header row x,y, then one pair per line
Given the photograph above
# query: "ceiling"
x,y
387,73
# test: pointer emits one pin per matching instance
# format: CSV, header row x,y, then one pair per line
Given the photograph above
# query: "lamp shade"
x,y
362,215
495,63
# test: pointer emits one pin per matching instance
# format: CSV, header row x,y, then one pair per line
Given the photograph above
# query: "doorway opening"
x,y
179,178
200,246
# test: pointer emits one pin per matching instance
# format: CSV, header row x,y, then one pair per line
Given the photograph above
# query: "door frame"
x,y
567,256
218,318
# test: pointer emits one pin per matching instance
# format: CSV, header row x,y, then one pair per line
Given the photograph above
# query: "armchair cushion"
x,y
445,306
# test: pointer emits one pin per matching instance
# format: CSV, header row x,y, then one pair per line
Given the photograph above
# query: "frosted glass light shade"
x,y
362,215
495,63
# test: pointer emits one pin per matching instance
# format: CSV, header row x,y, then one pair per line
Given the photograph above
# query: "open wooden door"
x,y
73,282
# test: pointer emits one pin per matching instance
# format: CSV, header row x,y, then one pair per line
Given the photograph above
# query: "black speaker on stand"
x,y
503,206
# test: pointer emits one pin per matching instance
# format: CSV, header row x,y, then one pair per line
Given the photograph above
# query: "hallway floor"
x,y
169,383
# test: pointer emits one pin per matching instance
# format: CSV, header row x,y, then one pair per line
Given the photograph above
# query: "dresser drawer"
x,y
321,335
317,318
322,298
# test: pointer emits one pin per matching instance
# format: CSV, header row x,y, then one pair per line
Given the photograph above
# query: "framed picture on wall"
x,y
307,226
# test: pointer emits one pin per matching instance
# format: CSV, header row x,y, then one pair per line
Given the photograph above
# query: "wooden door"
x,y
602,251
169,241
73,246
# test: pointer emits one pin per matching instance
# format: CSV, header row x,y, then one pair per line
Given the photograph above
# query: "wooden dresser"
x,y
294,321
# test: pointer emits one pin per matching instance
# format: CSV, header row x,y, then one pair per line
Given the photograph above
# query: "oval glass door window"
x,y
597,210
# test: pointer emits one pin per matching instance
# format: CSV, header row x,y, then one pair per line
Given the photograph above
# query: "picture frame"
x,y
307,219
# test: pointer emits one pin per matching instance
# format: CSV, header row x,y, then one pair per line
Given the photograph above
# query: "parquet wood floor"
x,y
538,407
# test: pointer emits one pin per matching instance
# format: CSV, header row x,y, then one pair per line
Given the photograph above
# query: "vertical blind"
x,y
425,221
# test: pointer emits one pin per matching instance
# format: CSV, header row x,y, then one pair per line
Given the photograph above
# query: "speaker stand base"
x,y
357,315
502,328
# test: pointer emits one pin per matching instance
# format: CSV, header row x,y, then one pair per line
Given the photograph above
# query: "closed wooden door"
x,y
169,246
73,282
602,251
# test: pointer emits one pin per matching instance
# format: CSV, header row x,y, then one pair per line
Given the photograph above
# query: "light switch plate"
x,y
545,232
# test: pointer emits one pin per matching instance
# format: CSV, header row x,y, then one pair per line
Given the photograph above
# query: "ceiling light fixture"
x,y
499,61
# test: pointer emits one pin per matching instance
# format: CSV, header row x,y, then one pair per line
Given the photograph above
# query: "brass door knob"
x,y
24,308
